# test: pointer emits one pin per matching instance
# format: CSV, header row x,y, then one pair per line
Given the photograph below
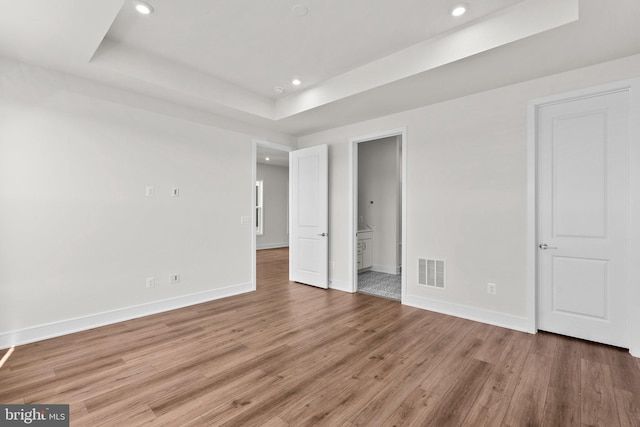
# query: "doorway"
x,y
270,198
583,218
583,232
379,214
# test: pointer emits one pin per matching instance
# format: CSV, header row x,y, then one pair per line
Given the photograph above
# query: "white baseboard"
x,y
69,326
385,269
272,245
467,312
340,285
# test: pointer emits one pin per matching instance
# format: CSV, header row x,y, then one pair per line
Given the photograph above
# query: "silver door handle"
x,y
544,246
323,234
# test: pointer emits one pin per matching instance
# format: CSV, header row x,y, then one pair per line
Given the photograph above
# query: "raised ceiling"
x,y
261,44
358,59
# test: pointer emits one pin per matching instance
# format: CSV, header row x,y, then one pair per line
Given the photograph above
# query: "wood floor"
x,y
292,355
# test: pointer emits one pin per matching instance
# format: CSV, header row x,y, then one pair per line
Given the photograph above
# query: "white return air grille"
x,y
431,272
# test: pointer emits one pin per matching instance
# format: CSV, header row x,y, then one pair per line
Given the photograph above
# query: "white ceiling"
x,y
358,59
261,44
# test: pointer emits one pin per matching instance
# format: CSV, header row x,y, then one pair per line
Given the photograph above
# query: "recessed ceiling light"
x,y
279,90
143,8
267,159
459,9
296,82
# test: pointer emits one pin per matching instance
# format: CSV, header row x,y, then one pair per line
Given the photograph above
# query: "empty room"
x,y
339,213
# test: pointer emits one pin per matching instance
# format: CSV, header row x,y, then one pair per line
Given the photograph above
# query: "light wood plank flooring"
x,y
293,355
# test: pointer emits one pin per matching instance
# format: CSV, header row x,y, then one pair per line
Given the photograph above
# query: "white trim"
x,y
273,145
254,175
633,87
634,226
403,262
389,269
531,238
468,312
353,224
272,245
83,323
340,285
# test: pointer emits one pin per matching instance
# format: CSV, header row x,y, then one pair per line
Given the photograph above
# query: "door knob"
x,y
323,234
544,246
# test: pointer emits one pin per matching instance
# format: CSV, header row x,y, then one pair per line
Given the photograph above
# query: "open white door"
x,y
309,236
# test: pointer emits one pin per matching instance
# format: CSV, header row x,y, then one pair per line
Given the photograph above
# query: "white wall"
x,y
78,235
275,206
378,183
466,192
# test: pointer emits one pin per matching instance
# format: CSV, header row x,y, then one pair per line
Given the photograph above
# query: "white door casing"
x,y
353,196
309,234
255,144
583,218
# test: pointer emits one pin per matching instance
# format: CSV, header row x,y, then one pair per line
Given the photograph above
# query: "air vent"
x,y
431,272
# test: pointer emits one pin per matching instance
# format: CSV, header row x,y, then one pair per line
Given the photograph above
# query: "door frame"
x,y
353,208
632,86
254,173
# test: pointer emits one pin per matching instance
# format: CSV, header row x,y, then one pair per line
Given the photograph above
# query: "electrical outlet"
x,y
175,191
150,282
491,288
175,278
149,191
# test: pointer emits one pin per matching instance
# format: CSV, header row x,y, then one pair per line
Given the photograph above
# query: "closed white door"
x,y
583,218
309,237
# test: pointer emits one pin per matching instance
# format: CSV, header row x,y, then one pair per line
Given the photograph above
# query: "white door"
x,y
583,218
309,237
